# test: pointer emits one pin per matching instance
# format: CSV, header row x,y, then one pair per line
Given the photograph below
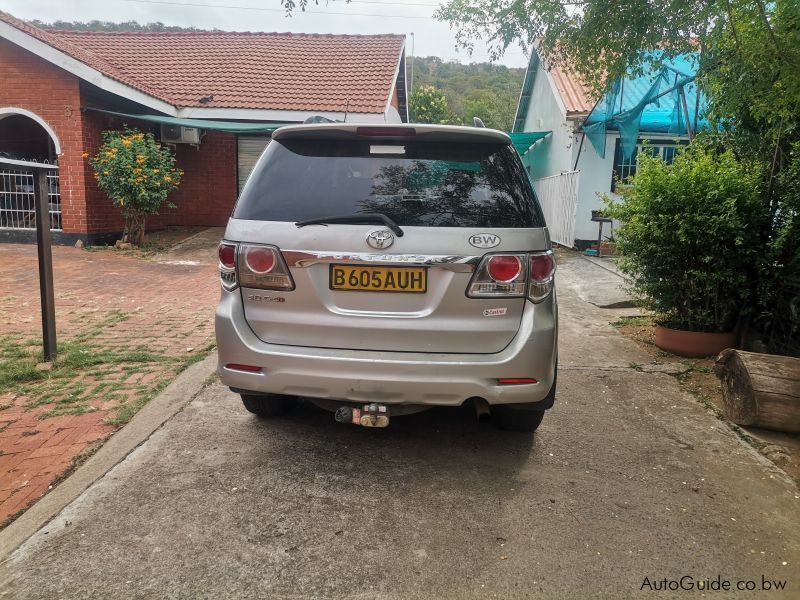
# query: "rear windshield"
x,y
433,184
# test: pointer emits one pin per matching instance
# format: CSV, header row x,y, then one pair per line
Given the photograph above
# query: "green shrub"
x,y
138,174
689,238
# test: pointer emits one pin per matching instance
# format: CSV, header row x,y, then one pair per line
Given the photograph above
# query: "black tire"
x,y
505,416
269,405
513,418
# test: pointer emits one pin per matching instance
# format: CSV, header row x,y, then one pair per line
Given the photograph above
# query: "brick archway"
x,y
26,137
27,116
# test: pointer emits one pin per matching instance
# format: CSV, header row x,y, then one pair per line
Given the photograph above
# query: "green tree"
x,y
495,109
96,25
685,237
138,174
429,105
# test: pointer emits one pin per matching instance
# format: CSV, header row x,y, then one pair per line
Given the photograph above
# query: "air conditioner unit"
x,y
177,134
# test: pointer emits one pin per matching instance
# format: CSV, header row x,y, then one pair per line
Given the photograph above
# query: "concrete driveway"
x,y
628,482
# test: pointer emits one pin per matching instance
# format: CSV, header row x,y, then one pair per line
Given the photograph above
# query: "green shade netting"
x,y
228,126
524,140
651,103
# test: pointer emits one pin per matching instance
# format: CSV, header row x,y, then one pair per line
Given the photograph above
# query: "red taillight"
x,y
504,269
227,255
227,265
246,368
514,276
259,260
386,131
542,267
263,267
516,380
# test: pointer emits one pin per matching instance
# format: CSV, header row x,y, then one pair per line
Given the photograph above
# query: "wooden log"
x,y
760,390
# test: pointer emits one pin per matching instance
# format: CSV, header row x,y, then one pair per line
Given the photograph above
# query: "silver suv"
x,y
381,270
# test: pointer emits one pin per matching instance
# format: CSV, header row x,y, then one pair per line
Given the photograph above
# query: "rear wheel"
x,y
269,405
516,419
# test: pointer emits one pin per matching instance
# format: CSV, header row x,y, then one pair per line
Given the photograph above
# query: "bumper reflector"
x,y
247,368
516,380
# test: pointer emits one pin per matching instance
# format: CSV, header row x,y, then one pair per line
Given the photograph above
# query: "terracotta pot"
x,y
693,344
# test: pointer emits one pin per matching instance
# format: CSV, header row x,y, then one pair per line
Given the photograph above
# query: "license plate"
x,y
361,278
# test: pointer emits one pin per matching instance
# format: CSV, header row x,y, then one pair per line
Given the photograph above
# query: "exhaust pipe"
x,y
482,410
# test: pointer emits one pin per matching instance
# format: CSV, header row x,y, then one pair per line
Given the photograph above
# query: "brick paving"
x,y
127,326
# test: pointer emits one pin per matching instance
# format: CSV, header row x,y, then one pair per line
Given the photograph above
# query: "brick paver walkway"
x,y
126,326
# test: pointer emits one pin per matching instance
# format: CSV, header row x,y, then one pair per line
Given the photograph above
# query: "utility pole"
x,y
411,83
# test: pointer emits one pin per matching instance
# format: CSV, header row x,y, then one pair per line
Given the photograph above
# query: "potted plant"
x,y
688,245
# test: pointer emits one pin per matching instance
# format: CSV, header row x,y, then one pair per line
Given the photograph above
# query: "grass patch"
x,y
636,320
85,373
125,412
18,371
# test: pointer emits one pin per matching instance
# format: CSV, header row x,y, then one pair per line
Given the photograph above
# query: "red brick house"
x,y
217,95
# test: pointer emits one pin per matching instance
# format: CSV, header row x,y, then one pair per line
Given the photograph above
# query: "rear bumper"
x,y
391,377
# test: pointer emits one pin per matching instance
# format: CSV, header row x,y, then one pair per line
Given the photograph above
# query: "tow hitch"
x,y
371,415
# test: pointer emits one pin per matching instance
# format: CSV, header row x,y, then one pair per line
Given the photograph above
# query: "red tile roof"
x,y
275,71
574,94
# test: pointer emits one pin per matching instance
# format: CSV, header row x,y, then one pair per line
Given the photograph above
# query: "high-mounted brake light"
x,y
263,268
386,131
227,265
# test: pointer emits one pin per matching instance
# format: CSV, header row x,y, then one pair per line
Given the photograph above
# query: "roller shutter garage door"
x,y
249,148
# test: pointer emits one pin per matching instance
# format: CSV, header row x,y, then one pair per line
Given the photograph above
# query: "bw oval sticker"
x,y
484,240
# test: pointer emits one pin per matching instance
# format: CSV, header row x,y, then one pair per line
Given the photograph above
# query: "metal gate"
x,y
558,196
17,204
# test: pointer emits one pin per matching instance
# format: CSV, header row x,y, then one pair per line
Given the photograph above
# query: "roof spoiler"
x,y
399,131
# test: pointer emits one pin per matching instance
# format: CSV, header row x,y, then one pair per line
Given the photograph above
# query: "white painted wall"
x,y
552,155
595,179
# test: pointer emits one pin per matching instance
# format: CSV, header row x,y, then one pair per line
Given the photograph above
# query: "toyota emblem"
x,y
380,238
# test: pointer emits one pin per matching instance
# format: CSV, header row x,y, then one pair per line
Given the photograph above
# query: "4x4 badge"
x,y
484,240
380,238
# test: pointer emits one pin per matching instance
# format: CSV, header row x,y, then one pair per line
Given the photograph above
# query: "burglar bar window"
x,y
17,201
626,167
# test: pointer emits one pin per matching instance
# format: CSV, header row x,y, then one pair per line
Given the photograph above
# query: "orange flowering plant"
x,y
137,173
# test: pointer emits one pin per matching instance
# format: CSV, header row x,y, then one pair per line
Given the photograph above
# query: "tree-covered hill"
x,y
484,90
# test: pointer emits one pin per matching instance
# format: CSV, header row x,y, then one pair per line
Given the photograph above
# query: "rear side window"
x,y
432,184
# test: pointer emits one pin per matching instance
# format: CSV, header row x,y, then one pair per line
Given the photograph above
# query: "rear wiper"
x,y
355,219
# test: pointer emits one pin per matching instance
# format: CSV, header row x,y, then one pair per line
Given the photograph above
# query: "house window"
x,y
248,149
626,167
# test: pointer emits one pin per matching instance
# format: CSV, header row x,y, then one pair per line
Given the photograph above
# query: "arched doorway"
x,y
26,137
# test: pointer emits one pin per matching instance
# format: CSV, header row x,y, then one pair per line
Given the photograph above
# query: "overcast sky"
x,y
359,16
